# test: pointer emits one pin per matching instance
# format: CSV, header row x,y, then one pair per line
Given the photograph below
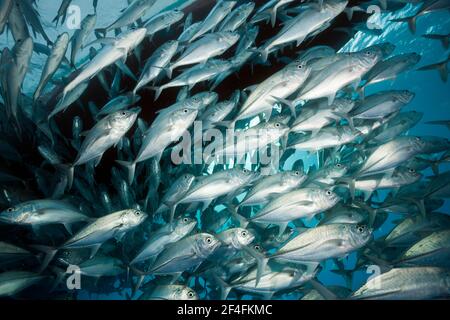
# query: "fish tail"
x,y
225,288
261,262
287,103
169,71
131,168
411,22
49,252
243,222
68,170
157,90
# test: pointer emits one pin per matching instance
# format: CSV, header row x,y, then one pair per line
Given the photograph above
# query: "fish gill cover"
x,y
281,149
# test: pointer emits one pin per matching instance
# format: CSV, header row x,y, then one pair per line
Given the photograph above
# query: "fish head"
x,y
418,144
185,293
133,217
184,225
413,58
205,244
247,176
16,214
294,178
187,115
228,37
326,197
386,48
435,144
337,170
123,119
275,129
359,234
408,175
242,237
370,56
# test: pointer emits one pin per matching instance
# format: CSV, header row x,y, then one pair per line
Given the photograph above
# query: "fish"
x,y
14,74
162,21
105,134
129,15
293,205
277,86
427,7
158,137
117,50
169,292
304,25
406,283
37,213
184,254
156,64
81,35
209,46
53,62
220,10
390,68
237,17
13,282
218,184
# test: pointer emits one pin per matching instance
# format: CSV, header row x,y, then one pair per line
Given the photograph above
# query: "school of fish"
x,y
151,229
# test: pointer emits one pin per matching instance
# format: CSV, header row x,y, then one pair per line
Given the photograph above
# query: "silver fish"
x,y
53,62
415,283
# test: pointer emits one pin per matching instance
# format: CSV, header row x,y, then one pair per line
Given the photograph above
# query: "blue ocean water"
x,y
431,94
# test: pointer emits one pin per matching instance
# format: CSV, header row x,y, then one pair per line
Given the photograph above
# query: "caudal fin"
x,y
50,253
68,170
411,22
131,168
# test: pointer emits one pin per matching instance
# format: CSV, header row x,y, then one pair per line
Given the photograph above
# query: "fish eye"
x,y
277,125
123,113
297,173
329,192
10,209
137,212
245,171
208,240
185,220
361,229
185,110
257,247
368,53
338,165
299,66
244,233
411,170
190,294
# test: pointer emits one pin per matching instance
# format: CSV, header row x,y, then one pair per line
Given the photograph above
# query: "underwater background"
x,y
431,93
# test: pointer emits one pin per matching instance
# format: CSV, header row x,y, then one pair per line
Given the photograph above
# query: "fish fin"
x,y
131,168
411,22
68,228
331,98
261,262
349,13
225,288
68,170
281,228
50,253
94,250
324,291
287,103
